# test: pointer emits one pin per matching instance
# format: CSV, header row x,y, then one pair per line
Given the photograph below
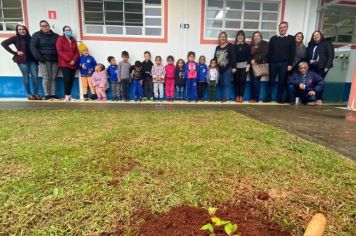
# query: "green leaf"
x,y
208,227
222,223
228,228
214,234
234,228
55,192
215,219
212,210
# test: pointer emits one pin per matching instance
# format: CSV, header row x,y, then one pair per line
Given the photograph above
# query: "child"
x,y
212,79
191,74
86,65
201,79
169,68
100,82
124,75
158,73
179,79
137,76
147,76
113,71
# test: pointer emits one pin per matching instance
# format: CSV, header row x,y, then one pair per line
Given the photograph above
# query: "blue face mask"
x,y
68,34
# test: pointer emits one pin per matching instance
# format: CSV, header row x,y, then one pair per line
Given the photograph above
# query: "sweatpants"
x,y
212,90
49,71
138,89
87,81
191,89
125,88
115,90
100,92
201,90
148,88
158,89
170,88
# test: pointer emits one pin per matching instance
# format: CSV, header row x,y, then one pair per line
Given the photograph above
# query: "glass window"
x,y
123,17
234,15
10,15
339,24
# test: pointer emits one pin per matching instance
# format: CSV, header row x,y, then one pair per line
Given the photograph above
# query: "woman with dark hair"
x,y
43,48
24,59
68,55
320,55
259,55
225,56
300,50
242,58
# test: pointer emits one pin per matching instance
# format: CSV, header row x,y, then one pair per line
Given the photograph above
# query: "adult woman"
x,y
24,59
259,55
320,55
43,48
300,51
225,56
68,56
243,57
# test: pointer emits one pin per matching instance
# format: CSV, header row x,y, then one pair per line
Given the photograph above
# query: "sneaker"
x,y
31,97
311,103
66,98
319,102
38,97
48,98
55,97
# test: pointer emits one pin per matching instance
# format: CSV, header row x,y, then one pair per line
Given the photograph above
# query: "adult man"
x,y
43,48
280,56
306,84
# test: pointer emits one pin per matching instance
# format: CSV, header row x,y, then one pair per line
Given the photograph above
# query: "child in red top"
x,y
170,68
100,82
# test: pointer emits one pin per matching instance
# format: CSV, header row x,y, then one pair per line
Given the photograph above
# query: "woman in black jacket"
x,y
242,58
320,55
24,59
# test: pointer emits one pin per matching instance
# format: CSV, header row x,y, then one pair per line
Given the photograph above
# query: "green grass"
x,y
83,172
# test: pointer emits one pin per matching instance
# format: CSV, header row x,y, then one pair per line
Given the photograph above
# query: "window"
x,y
123,17
233,15
10,15
339,24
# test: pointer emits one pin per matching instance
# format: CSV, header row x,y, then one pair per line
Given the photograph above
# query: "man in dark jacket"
x,y
306,84
281,54
43,48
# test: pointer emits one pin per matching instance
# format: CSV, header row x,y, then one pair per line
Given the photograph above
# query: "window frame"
x,y
129,38
205,40
4,33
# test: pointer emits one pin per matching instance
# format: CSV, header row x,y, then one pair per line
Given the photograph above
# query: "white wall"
x,y
300,14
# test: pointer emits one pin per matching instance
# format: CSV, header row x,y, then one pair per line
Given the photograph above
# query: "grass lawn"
x,y
82,172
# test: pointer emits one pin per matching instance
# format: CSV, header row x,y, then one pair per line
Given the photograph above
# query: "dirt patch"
x,y
263,196
186,220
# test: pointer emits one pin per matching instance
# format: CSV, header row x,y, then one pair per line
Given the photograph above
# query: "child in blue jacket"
x,y
115,83
201,79
86,66
191,74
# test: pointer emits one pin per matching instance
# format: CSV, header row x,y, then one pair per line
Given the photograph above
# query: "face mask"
x,y
68,34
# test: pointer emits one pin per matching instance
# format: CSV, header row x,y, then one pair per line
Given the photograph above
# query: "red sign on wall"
x,y
52,15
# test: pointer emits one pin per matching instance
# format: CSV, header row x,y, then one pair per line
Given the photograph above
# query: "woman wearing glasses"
x,y
43,48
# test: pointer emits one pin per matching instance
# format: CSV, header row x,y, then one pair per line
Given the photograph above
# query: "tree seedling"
x,y
229,228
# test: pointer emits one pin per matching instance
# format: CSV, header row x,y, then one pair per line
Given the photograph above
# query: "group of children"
x,y
151,81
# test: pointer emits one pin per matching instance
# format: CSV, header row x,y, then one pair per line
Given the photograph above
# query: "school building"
x,y
174,27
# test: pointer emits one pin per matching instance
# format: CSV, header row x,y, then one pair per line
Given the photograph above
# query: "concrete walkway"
x,y
326,125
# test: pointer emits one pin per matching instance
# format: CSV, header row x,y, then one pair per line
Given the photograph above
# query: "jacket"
x,y
242,53
158,73
259,52
89,63
225,57
147,69
202,72
100,79
43,46
169,71
67,52
313,81
179,79
208,76
191,72
326,54
21,44
113,71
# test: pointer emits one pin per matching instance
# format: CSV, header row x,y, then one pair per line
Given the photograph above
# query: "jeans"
x,y
225,79
255,87
28,69
125,88
49,72
116,90
68,79
322,74
294,92
180,92
191,89
281,70
240,82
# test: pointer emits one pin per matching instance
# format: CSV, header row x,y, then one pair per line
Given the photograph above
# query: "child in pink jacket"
x,y
100,82
170,68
